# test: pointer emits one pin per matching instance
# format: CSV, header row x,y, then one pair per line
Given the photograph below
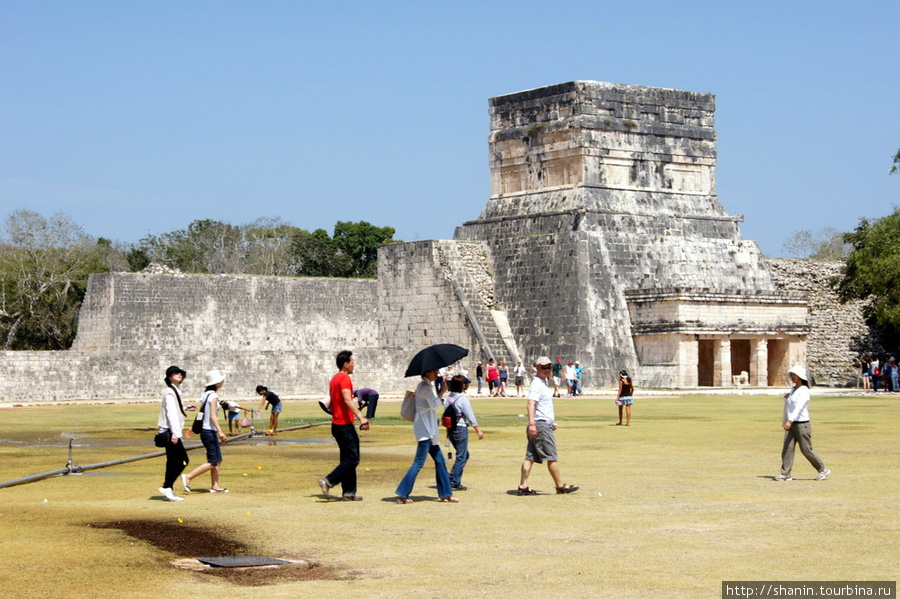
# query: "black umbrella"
x,y
435,357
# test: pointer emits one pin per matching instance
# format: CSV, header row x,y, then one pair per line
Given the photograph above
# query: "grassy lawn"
x,y
688,500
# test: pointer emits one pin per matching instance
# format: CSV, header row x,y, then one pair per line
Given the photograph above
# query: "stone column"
x,y
722,364
687,359
759,363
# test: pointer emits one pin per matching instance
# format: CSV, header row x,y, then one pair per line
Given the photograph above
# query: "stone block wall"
x,y
135,311
838,332
277,331
417,304
599,188
30,376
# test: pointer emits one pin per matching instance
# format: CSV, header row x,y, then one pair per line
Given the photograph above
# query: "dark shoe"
x,y
526,491
566,489
351,497
458,488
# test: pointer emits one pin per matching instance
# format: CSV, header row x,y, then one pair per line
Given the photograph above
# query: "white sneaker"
x,y
823,475
169,495
783,478
184,481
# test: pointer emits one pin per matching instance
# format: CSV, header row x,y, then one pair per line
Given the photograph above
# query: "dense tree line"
x,y
45,263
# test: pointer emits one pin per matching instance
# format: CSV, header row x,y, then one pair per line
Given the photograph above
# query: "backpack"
x,y
408,408
450,417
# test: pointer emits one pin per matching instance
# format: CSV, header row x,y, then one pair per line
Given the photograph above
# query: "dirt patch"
x,y
190,541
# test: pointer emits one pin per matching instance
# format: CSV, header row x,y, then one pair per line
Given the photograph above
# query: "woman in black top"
x,y
624,399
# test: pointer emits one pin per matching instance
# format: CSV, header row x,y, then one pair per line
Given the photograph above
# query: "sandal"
x,y
450,499
403,500
526,491
566,489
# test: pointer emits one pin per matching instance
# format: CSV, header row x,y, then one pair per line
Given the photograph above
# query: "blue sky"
x,y
140,117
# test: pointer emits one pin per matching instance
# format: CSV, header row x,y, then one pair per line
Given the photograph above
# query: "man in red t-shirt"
x,y
344,411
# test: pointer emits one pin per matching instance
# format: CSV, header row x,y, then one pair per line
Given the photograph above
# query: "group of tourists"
x,y
876,373
497,374
171,421
345,411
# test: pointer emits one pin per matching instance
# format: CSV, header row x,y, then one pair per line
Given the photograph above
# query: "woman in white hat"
x,y
211,435
797,429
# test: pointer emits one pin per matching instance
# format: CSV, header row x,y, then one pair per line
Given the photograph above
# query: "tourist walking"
x,y
625,397
171,424
866,374
895,376
519,373
493,379
578,372
459,436
503,373
211,434
425,429
875,369
479,375
557,376
344,413
541,438
570,379
269,398
797,428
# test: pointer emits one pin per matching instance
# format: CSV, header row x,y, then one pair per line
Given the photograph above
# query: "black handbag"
x,y
162,439
197,426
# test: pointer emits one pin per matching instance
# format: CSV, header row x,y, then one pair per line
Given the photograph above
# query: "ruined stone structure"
x,y
608,244
603,240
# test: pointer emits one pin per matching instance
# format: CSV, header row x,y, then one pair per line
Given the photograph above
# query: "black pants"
x,y
176,461
345,473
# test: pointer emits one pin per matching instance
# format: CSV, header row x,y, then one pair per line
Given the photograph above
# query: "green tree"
x,y
872,269
896,167
359,243
315,255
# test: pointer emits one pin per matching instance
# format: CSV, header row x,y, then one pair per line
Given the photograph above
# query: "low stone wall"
x,y
276,331
31,376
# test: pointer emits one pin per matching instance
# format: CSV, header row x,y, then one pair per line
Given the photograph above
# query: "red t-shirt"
x,y
340,413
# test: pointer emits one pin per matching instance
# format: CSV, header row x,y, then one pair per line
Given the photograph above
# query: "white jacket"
x,y
795,405
170,415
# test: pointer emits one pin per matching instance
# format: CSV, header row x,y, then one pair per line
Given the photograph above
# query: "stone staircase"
x,y
466,266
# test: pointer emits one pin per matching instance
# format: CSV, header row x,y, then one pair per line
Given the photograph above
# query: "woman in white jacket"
x,y
171,419
797,428
428,440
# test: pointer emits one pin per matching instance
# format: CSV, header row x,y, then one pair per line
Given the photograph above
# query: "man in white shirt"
x,y
541,424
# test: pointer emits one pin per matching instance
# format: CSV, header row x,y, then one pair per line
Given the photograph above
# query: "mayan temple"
x,y
606,242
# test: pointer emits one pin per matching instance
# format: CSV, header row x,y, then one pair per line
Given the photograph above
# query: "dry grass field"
x,y
688,500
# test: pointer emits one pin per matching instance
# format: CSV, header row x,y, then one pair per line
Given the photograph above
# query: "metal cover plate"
x,y
244,561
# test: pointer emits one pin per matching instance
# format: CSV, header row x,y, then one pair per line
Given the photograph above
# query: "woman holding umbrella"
x,y
427,362
425,429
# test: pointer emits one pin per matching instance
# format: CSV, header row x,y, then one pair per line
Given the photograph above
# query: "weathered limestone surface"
x,y
838,332
598,189
277,331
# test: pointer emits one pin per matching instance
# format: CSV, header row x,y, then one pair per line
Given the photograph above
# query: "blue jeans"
x,y
480,384
460,440
423,449
345,473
